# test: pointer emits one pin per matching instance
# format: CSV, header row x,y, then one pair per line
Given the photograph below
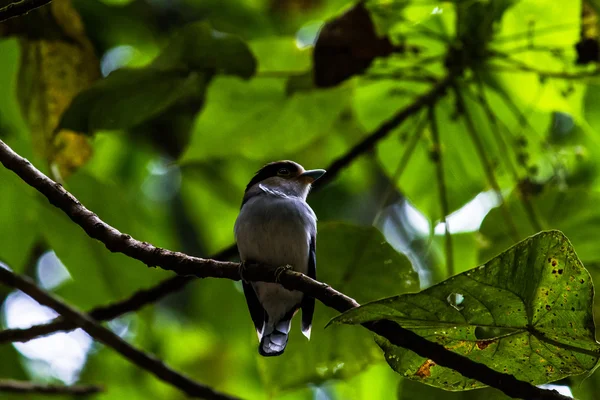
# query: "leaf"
x,y
99,276
128,97
526,312
57,62
198,47
275,54
358,262
19,221
411,390
260,121
347,46
463,171
573,211
539,24
176,79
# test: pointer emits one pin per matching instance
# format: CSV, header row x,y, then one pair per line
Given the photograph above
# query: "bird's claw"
x,y
241,270
281,270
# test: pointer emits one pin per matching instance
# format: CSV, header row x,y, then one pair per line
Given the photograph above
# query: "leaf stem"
x,y
504,149
19,8
485,162
437,155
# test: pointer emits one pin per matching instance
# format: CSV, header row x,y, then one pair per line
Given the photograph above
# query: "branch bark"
x,y
19,8
186,265
106,336
12,386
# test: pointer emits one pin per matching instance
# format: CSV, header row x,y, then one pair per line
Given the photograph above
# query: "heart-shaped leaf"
x,y
526,312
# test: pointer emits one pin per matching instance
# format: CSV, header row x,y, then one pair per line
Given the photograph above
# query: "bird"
x,y
277,227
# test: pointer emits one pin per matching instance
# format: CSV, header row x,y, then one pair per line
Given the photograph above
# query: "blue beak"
x,y
313,174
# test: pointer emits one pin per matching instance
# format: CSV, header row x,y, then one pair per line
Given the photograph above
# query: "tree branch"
x,y
20,8
106,313
106,336
12,386
193,266
138,300
170,285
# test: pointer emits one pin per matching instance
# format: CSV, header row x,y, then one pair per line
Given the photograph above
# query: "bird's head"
x,y
287,177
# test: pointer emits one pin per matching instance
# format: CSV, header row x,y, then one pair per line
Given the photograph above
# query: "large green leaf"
x,y
128,97
258,119
178,77
358,262
412,390
573,211
198,47
527,312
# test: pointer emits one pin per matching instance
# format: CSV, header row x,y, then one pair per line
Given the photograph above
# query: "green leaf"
x,y
573,211
527,312
551,29
19,221
411,390
128,97
358,262
463,172
259,120
178,77
199,47
99,276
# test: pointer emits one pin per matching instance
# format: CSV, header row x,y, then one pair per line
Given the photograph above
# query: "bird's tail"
x,y
275,338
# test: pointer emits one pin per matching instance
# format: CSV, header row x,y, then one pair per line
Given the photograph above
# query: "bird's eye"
x,y
283,172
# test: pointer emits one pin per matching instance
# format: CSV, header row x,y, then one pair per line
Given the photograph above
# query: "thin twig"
x,y
567,76
12,386
106,313
521,66
504,148
183,264
384,129
485,162
20,8
444,207
546,30
406,156
135,302
106,336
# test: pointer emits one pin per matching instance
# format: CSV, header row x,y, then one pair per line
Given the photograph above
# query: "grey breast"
x,y
276,230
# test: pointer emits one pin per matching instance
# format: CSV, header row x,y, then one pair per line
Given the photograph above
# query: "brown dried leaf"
x,y
347,46
57,62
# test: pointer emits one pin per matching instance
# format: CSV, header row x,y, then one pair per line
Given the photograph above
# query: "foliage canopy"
x,y
155,114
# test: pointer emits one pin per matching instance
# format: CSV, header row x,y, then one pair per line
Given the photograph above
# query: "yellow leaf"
x,y
57,62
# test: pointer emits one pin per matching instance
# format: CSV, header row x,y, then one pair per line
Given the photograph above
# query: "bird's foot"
x,y
281,270
241,270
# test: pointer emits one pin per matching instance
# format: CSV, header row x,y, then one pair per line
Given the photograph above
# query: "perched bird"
x,y
277,227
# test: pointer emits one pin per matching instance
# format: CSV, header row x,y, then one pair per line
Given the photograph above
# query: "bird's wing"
x,y
308,303
257,312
